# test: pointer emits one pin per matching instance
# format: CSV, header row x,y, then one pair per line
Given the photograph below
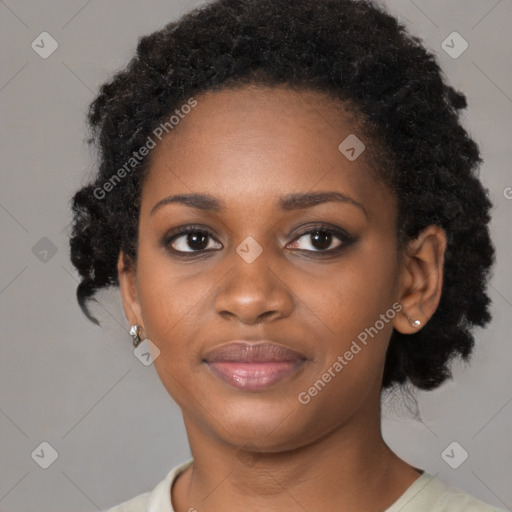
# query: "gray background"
x,y
79,387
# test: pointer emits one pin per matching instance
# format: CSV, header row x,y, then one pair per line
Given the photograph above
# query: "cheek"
x,y
367,282
346,297
169,306
353,311
167,299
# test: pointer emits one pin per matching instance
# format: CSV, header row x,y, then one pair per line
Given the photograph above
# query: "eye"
x,y
187,240
321,239
190,239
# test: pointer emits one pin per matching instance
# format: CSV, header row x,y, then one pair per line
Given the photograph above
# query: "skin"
x,y
265,450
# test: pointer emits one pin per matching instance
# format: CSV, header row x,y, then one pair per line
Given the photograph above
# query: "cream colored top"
x,y
426,494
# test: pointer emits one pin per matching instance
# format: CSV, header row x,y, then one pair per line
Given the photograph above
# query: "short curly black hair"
x,y
354,51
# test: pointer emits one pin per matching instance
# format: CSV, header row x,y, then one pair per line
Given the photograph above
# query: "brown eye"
x,y
191,240
321,239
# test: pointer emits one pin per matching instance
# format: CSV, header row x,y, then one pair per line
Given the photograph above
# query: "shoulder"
x,y
159,499
429,494
456,500
137,504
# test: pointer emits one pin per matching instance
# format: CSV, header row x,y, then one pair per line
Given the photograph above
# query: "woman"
x,y
291,210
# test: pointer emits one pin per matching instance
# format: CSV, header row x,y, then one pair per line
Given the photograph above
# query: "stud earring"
x,y
414,323
135,331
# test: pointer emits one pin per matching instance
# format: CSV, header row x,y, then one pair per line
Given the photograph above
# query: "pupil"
x,y
198,238
318,242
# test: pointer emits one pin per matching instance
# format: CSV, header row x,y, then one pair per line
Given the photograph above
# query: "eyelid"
x,y
323,226
345,238
184,230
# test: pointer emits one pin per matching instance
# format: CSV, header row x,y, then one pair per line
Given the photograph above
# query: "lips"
x,y
253,366
247,352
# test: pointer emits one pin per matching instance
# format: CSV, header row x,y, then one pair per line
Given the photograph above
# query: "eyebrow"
x,y
297,201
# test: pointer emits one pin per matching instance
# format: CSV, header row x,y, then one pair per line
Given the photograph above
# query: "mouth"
x,y
253,366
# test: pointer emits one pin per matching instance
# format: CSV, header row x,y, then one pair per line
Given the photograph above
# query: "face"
x,y
263,262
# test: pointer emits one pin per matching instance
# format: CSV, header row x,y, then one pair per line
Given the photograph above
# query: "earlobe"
x,y
421,279
414,323
126,272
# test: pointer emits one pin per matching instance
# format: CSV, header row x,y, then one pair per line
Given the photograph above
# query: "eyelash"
x,y
344,237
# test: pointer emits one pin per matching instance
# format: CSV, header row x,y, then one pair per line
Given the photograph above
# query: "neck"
x,y
348,468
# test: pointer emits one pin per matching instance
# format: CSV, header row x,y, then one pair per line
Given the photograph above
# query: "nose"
x,y
253,293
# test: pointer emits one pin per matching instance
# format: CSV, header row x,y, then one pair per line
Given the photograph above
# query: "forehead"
x,y
250,144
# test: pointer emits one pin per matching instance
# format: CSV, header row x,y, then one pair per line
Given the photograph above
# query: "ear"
x,y
127,276
421,279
